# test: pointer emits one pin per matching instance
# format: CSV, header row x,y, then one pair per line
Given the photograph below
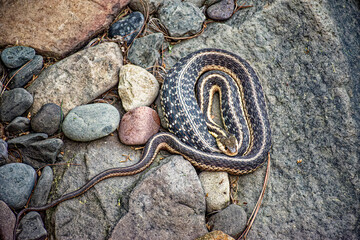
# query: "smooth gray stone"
x,y
90,122
42,188
231,220
17,56
32,227
18,125
14,103
16,183
47,119
21,76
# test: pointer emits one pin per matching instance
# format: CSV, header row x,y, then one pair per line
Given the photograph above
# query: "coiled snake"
x,y
246,137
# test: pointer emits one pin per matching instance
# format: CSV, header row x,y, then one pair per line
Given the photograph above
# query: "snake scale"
x,y
188,126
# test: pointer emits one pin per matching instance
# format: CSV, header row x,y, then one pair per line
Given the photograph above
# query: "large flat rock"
x,y
55,27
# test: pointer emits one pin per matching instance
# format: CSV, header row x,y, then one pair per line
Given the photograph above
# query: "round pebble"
x,y
17,56
47,119
138,125
128,27
90,122
16,183
137,87
18,125
21,76
14,103
42,189
222,10
32,227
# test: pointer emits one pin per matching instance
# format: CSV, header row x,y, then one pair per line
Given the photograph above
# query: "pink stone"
x,y
138,125
55,27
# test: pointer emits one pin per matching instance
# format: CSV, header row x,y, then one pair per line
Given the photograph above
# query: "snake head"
x,y
228,145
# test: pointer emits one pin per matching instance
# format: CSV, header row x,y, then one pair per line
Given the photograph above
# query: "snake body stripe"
x,y
191,138
234,117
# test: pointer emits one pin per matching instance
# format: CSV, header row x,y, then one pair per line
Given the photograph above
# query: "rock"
x,y
168,202
315,96
137,5
47,119
145,51
14,57
3,152
89,72
21,76
18,125
68,26
25,140
217,190
36,149
197,3
90,122
42,188
16,183
222,10
232,220
137,87
215,235
181,18
93,214
14,103
32,227
127,27
138,125
7,222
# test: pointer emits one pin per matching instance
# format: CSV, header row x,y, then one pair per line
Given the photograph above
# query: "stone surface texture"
x,y
3,151
92,121
36,150
16,183
145,50
31,227
215,235
56,27
42,188
137,87
168,202
221,10
21,76
47,119
127,27
78,79
305,55
14,57
18,125
93,214
14,103
138,125
217,190
232,220
7,222
181,18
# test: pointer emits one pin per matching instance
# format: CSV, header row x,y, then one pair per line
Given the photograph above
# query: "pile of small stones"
x,y
35,139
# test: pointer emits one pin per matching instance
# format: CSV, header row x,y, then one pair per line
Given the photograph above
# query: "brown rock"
x,y
55,27
138,125
7,222
215,235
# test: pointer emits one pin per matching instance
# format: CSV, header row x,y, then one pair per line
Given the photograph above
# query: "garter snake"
x,y
189,135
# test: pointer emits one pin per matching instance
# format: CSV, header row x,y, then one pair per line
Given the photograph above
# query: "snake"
x,y
240,148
